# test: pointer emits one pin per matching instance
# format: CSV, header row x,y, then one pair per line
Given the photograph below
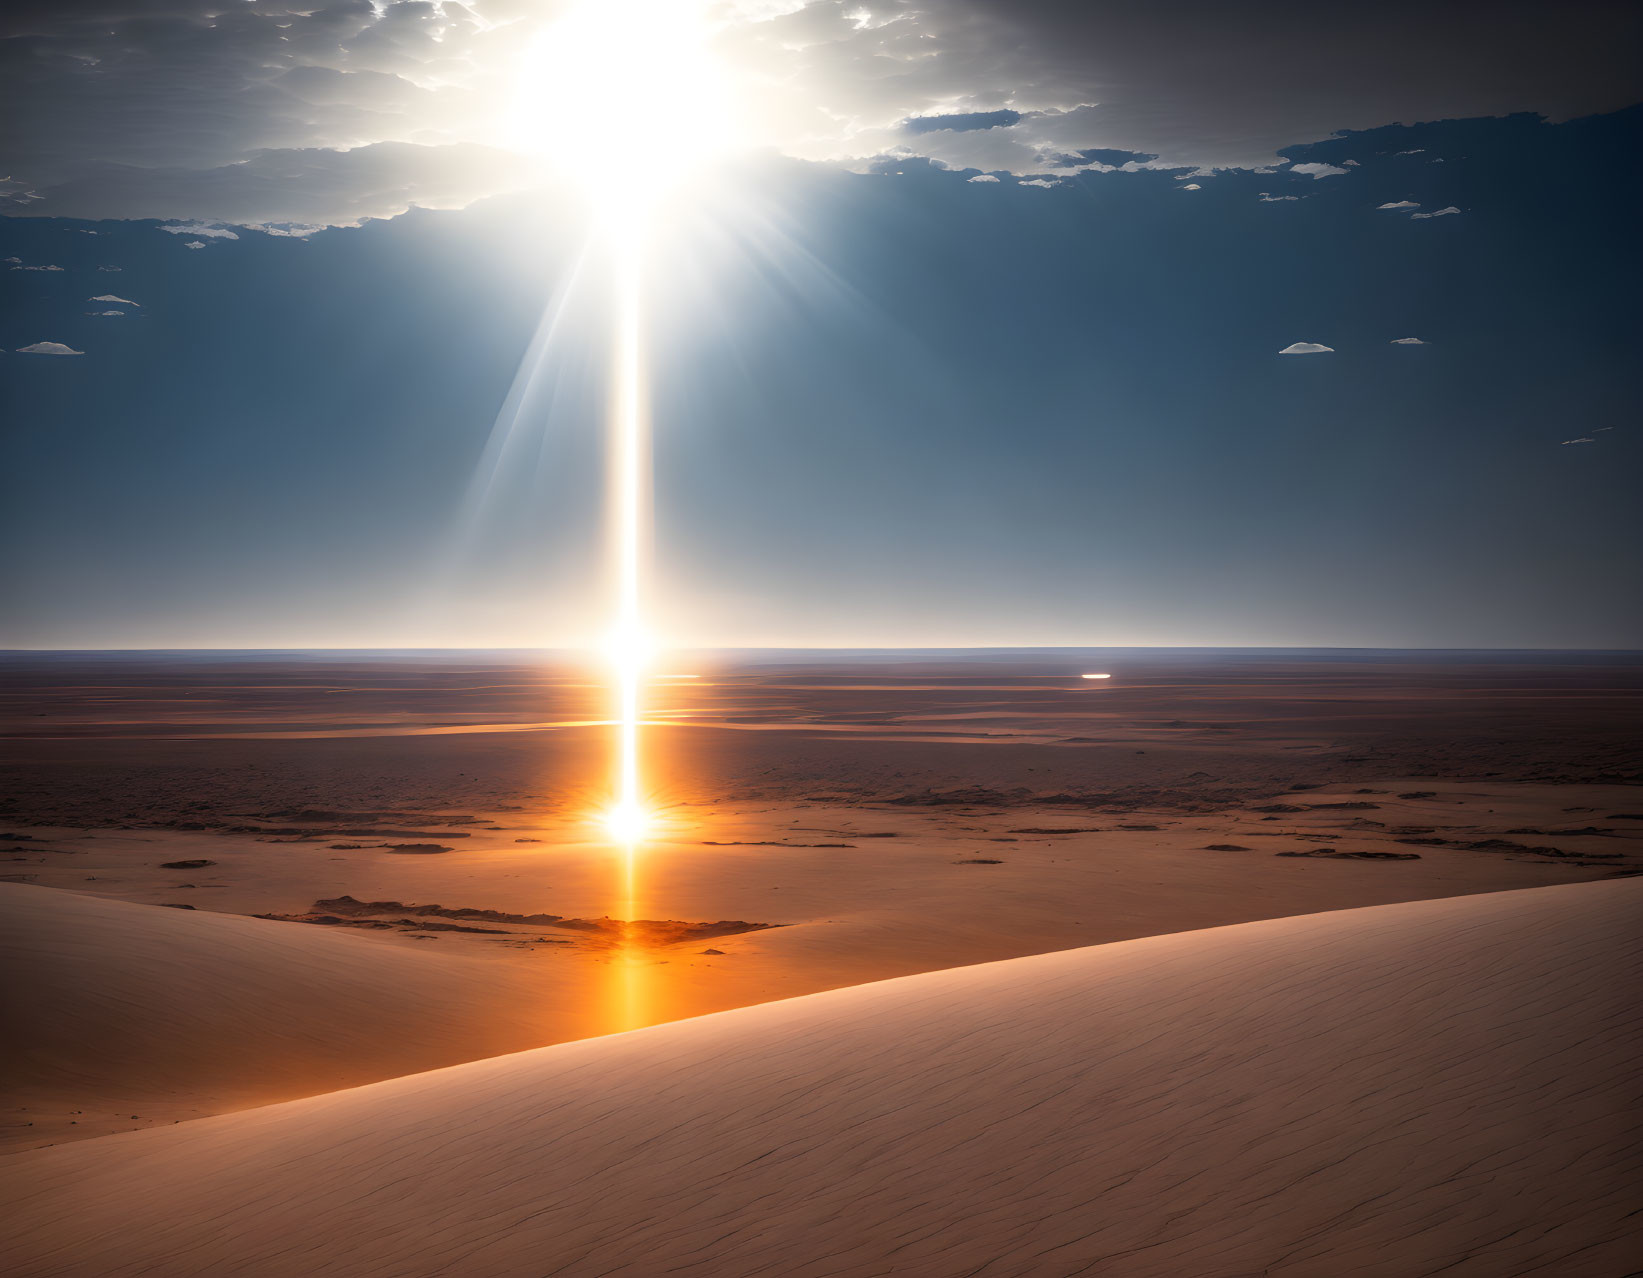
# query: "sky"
x,y
1097,324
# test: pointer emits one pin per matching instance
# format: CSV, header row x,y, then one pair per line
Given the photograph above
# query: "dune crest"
x,y
1438,1085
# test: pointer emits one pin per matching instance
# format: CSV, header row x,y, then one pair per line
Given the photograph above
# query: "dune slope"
x,y
139,1005
1445,1085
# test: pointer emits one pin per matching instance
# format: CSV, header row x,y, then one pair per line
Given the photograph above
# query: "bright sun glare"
x,y
624,99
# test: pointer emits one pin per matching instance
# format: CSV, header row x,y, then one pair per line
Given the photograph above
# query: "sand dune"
x,y
1445,1085
149,1007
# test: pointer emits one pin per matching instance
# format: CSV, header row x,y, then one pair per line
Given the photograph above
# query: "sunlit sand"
x,y
1381,1090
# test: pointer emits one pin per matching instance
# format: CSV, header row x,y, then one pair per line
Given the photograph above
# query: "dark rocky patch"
x,y
1585,829
1483,845
185,865
767,843
605,930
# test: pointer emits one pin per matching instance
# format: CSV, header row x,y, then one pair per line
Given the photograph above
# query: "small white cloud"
x,y
1584,439
102,314
207,229
14,260
1352,164
286,230
1044,182
48,348
1400,204
1435,213
1276,199
1407,341
983,177
36,268
1307,348
195,244
109,297
110,268
1420,150
1317,170
1192,186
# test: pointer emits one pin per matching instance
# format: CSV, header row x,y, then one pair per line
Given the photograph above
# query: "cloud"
x,y
109,297
962,123
1420,150
1400,204
1307,348
983,177
1276,199
110,268
1406,341
36,268
48,348
201,228
1316,170
105,314
1192,186
292,192
259,113
195,244
1039,182
1435,213
1584,439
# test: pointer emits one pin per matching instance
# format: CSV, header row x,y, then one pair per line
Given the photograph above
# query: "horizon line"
x,y
584,650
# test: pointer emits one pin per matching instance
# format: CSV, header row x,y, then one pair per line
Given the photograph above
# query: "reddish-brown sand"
x,y
421,837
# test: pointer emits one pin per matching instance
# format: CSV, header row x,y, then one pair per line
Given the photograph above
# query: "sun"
x,y
624,97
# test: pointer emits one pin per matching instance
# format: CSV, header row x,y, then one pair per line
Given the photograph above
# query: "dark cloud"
x,y
961,123
197,85
1198,82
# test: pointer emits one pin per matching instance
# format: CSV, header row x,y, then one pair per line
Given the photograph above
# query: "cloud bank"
x,y
302,114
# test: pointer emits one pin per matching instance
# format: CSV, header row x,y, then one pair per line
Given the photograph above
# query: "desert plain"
x,y
1229,962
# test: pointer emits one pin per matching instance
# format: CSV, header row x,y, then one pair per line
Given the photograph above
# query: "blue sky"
x,y
892,407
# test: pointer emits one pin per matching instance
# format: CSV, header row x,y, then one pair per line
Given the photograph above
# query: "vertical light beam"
x,y
629,645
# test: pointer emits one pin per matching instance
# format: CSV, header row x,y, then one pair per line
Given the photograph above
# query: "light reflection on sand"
x,y
627,1002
